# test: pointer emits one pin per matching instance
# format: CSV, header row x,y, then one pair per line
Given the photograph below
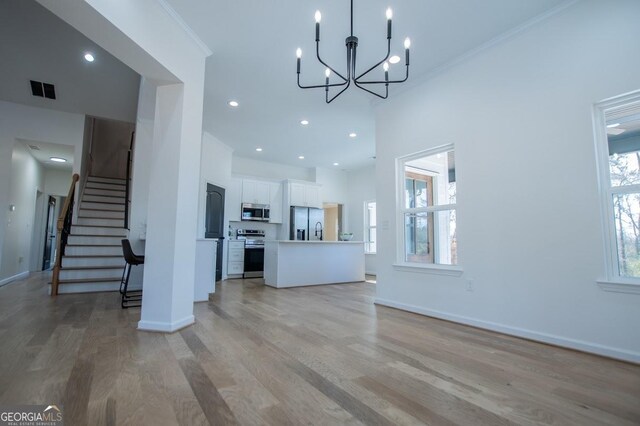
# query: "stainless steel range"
x,y
253,251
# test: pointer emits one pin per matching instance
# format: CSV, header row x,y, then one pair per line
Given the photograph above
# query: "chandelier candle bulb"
x,y
318,18
385,66
298,56
407,45
389,16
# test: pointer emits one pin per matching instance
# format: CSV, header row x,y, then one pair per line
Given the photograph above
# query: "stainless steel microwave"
x,y
255,212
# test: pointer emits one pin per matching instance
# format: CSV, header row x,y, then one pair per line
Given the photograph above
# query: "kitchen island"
x,y
302,263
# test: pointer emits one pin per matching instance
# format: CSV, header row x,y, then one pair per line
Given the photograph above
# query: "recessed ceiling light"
x,y
58,160
353,135
233,104
304,122
394,59
259,149
611,126
301,157
89,57
336,164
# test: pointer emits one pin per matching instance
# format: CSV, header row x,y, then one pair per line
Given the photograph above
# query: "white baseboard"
x,y
579,345
19,276
166,327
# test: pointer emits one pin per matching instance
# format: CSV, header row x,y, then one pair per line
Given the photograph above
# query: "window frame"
x,y
613,281
367,227
401,211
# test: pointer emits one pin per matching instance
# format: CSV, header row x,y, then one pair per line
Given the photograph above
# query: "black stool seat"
x,y
130,299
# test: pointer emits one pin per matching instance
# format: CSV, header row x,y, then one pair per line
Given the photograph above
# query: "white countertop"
x,y
313,242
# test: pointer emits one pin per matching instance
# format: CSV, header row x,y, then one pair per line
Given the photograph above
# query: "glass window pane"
x,y
623,138
624,169
409,194
434,180
430,238
371,207
626,209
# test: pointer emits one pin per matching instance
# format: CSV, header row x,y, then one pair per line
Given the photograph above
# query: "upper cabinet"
x,y
275,213
255,192
304,195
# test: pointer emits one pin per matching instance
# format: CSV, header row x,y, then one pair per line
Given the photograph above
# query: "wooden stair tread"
x,y
88,268
93,235
83,256
90,280
97,226
103,202
94,245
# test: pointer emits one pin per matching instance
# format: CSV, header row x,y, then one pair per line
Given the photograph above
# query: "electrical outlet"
x,y
469,285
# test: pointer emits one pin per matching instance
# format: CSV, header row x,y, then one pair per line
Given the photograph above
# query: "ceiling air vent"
x,y
34,147
43,90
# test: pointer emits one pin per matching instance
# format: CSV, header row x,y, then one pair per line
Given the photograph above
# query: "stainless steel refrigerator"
x,y
306,224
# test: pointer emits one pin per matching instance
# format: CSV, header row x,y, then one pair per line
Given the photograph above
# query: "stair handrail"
x,y
127,194
64,229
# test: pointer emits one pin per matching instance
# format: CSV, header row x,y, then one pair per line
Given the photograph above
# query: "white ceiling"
x,y
43,151
37,45
253,62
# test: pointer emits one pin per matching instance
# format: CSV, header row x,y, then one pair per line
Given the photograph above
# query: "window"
x,y
370,226
427,210
618,142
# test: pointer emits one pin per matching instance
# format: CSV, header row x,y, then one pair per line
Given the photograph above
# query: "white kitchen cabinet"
x,y
255,192
275,203
304,195
233,200
235,258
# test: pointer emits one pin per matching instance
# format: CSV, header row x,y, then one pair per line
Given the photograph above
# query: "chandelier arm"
x,y
326,65
387,82
378,64
372,92
319,86
338,94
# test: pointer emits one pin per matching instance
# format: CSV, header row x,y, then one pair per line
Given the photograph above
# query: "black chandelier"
x,y
352,45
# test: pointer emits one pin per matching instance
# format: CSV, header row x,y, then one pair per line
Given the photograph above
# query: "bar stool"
x,y
130,299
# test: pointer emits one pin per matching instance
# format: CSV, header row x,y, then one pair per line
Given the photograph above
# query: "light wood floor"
x,y
317,355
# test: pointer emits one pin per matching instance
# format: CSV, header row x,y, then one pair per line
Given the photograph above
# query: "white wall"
x,y
31,124
334,185
57,182
520,116
27,177
361,188
249,167
109,147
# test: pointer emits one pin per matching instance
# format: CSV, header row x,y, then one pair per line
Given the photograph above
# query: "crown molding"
x,y
468,55
186,28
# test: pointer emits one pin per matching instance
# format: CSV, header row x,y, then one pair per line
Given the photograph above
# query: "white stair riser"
x,y
101,206
105,179
99,185
102,199
101,213
66,274
68,262
100,222
104,192
97,230
93,251
79,240
88,287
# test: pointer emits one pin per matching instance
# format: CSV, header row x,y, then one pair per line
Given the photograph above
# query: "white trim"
x,y
452,270
619,286
580,345
165,327
186,28
19,276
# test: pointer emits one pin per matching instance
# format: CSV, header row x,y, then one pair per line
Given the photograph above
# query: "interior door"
x,y
50,234
214,222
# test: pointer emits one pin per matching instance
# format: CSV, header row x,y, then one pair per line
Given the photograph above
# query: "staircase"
x,y
93,259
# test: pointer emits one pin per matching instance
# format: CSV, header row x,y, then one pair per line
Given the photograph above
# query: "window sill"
x,y
370,253
619,286
454,271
